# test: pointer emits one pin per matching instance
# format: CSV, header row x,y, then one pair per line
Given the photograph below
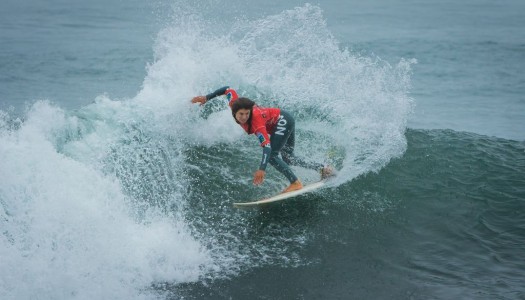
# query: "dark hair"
x,y
242,103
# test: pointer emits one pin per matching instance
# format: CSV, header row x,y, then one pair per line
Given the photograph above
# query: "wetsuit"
x,y
275,129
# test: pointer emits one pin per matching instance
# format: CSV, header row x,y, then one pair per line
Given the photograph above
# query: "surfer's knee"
x,y
287,158
273,158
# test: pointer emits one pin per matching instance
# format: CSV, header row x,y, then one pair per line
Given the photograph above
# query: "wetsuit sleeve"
x,y
218,92
267,150
264,139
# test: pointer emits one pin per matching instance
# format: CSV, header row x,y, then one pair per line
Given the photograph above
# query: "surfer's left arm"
x,y
258,177
264,139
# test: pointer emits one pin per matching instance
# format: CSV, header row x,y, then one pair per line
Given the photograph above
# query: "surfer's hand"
x,y
199,99
258,177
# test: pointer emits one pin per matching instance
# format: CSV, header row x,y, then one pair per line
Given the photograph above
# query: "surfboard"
x,y
306,189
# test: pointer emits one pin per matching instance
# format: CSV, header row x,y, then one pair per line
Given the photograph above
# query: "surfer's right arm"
x,y
204,99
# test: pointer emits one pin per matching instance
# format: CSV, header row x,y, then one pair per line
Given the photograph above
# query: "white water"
x,y
68,230
290,60
92,201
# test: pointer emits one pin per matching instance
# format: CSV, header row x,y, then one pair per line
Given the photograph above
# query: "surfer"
x,y
275,129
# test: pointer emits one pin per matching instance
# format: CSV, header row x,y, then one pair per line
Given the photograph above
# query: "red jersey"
x,y
263,122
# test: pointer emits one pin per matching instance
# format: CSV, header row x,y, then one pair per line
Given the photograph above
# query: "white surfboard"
x,y
306,189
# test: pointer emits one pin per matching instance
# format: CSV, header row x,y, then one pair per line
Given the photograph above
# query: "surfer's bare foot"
x,y
294,186
327,172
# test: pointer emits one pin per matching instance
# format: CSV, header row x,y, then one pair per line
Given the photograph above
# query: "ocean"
x,y
114,186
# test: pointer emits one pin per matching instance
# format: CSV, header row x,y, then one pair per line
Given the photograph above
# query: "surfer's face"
x,y
242,115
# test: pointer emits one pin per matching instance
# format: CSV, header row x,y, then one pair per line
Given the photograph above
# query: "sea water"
x,y
114,186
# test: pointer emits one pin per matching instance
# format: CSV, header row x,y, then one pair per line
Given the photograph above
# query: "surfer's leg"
x,y
282,167
277,141
290,158
287,150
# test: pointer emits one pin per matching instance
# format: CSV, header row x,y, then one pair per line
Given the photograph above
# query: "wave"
x,y
442,220
120,196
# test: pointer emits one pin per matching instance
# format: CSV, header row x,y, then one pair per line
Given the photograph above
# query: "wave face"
x,y
127,198
444,221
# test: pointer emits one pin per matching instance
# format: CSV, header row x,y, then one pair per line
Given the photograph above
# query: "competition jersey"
x,y
263,123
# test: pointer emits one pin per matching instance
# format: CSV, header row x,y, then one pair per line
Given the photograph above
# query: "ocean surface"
x,y
113,186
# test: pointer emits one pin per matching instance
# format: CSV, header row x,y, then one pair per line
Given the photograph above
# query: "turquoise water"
x,y
113,186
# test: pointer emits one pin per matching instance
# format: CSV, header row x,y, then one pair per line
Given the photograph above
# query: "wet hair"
x,y
243,103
